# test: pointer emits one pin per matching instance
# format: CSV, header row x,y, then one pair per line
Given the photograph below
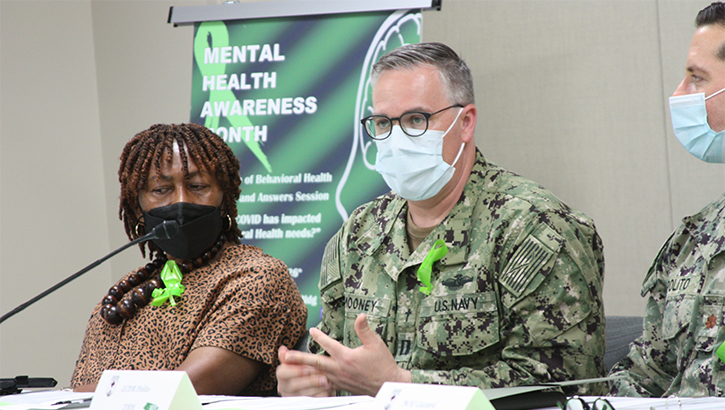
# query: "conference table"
x,y
62,399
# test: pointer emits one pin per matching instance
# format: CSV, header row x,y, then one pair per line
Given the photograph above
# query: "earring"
x,y
229,220
140,226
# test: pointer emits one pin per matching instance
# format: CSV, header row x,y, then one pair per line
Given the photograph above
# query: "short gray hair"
x,y
456,75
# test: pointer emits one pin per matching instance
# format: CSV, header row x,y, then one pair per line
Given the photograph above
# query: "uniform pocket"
x,y
377,312
458,325
677,314
710,322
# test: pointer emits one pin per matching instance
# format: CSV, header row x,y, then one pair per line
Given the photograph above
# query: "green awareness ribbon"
x,y
437,252
171,275
720,352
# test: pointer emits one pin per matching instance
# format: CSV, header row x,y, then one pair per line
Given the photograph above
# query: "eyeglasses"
x,y
414,123
577,403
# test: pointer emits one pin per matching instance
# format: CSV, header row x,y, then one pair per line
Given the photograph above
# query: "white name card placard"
x,y
145,390
407,396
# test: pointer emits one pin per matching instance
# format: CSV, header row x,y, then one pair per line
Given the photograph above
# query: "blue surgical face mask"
x,y
413,167
689,121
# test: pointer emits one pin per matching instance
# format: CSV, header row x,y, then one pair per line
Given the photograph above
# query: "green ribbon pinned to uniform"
x,y
437,252
171,275
720,352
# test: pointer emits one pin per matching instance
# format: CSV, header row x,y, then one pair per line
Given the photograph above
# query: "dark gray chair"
x,y
621,331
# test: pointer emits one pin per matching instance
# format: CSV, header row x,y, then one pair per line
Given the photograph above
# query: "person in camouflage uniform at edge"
x,y
683,322
517,298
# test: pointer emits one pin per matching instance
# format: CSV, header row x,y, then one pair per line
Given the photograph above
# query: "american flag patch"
x,y
330,271
531,256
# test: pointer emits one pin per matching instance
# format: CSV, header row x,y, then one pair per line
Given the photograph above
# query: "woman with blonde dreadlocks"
x,y
204,304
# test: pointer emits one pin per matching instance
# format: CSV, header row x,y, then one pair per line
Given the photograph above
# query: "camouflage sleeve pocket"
x,y
458,325
330,274
531,262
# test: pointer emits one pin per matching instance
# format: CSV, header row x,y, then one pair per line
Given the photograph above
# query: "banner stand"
x,y
288,8
285,87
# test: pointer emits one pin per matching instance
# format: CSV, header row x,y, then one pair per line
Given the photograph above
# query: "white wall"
x,y
571,94
53,219
79,79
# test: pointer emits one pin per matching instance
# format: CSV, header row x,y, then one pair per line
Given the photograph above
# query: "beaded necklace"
x,y
115,313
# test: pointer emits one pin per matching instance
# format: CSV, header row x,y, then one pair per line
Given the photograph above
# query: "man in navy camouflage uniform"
x,y
683,322
512,292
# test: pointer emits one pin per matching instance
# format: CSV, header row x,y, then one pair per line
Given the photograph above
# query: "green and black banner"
x,y
287,95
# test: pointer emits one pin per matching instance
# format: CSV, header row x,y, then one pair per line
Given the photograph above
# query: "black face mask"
x,y
199,227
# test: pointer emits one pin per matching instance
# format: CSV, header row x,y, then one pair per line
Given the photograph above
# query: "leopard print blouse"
x,y
245,302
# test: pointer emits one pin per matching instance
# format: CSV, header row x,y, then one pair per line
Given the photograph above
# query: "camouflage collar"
x,y
454,229
706,227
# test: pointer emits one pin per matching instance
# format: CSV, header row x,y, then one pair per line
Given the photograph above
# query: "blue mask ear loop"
x,y
436,253
712,95
707,98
